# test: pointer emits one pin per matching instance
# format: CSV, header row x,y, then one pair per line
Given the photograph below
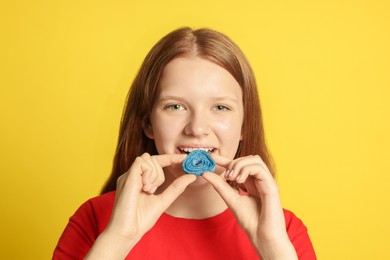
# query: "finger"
x,y
148,171
160,177
228,194
230,165
152,173
157,177
220,160
147,179
238,165
242,161
234,168
148,164
147,168
137,173
175,189
165,160
247,170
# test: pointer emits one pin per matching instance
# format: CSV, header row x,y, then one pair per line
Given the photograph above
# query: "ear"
x,y
147,128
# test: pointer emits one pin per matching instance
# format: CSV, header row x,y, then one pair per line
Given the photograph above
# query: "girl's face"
x,y
198,106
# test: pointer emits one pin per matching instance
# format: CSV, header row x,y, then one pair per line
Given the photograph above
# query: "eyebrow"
x,y
219,98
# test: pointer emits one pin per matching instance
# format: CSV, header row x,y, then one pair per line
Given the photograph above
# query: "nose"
x,y
197,125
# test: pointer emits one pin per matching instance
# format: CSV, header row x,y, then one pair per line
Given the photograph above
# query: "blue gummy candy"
x,y
198,162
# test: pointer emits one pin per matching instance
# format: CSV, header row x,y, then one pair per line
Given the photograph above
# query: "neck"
x,y
198,201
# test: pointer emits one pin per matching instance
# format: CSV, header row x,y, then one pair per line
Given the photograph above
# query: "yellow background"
x,y
323,74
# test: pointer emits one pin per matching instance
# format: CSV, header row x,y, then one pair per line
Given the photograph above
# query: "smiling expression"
x,y
198,105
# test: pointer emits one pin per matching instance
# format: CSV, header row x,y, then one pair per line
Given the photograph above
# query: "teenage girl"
x,y
194,90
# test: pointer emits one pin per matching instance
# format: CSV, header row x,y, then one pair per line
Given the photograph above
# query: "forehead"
x,y
195,74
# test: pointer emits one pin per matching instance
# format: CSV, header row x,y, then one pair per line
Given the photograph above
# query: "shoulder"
x,y
96,210
292,221
98,203
294,225
84,227
105,200
298,234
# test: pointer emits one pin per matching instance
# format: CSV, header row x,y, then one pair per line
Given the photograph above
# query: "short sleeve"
x,y
79,235
84,227
299,236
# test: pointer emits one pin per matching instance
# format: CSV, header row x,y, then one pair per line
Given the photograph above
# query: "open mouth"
x,y
187,150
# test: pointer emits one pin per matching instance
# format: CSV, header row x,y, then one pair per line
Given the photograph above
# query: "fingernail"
x,y
231,173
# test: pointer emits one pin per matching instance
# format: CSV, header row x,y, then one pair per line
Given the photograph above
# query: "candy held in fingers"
x,y
198,162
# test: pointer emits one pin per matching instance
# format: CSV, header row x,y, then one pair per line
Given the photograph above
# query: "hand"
x,y
259,213
136,208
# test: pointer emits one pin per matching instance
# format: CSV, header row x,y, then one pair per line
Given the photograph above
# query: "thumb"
x,y
228,194
175,189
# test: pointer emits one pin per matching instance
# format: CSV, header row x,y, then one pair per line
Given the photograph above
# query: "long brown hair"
x,y
207,44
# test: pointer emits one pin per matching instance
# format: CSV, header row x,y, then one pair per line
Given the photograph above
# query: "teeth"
x,y
188,149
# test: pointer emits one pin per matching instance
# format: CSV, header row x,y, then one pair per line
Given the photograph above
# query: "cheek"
x,y
228,128
228,132
230,123
165,132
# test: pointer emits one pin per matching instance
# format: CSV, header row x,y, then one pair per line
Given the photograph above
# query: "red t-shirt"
x,y
218,237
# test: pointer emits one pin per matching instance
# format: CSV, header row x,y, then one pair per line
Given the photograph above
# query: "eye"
x,y
174,107
221,108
